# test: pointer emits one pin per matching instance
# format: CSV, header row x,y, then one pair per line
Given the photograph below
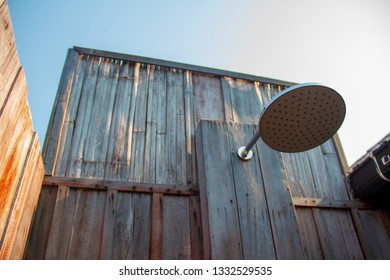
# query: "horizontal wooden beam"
x,y
119,185
329,203
183,66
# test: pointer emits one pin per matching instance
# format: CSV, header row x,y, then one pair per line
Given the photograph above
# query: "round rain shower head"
x,y
301,117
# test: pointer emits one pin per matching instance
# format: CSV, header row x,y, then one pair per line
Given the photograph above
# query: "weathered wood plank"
x,y
108,225
53,135
246,105
156,231
373,236
171,144
208,98
87,226
65,142
308,231
176,229
196,228
119,148
285,230
96,145
299,174
181,139
227,83
190,128
41,226
132,225
162,100
61,225
255,227
139,125
95,152
335,172
149,168
337,234
83,118
216,187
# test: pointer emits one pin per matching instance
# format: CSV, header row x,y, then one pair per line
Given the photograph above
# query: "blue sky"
x,y
341,43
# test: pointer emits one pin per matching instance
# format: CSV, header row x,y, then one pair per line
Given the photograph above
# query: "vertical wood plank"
x,y
227,84
53,135
373,235
149,168
337,234
176,228
60,230
285,230
119,148
97,138
255,227
246,105
196,228
108,225
216,188
65,141
132,225
39,234
83,118
171,158
309,235
87,225
190,128
156,232
208,98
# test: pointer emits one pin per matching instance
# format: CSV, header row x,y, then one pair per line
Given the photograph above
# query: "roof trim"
x,y
178,65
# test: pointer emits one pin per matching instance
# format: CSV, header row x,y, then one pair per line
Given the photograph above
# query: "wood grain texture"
x,y
40,230
373,235
130,129
255,226
218,190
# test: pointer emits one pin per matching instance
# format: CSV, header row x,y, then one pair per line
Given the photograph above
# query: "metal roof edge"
x,y
178,65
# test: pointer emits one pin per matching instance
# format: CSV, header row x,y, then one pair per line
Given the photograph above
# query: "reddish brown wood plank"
x,y
156,231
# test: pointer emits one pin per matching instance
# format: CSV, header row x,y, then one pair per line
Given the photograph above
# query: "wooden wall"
x,y
21,167
140,164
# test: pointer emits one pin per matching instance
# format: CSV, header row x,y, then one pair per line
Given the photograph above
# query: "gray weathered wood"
x,y
217,191
208,100
309,234
255,227
132,226
53,135
176,243
373,235
282,215
337,235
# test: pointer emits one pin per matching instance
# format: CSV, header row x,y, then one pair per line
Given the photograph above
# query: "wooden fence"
x,y
140,164
21,166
